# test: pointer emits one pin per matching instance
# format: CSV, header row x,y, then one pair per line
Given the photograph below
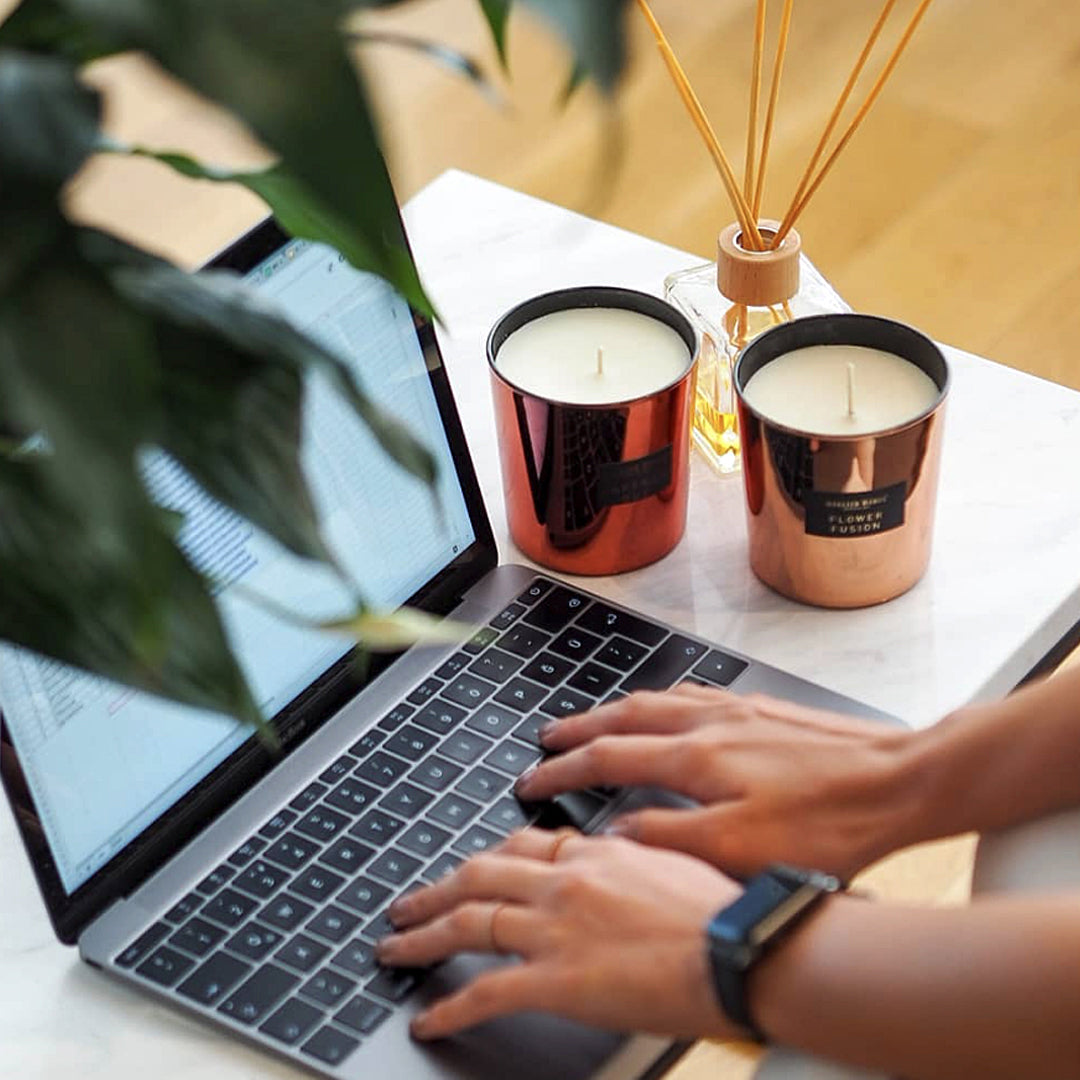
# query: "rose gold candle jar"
x,y
841,521
594,488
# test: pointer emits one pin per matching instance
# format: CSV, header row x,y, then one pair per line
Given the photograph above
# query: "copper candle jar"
x,y
600,488
841,521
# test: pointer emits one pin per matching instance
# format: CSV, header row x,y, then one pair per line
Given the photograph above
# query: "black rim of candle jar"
x,y
591,296
866,331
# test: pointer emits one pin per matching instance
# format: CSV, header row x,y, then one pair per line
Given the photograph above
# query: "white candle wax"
x,y
593,356
840,390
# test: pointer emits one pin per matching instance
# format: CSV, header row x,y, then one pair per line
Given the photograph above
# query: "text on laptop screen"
x,y
104,762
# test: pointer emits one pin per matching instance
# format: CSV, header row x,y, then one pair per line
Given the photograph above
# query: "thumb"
x,y
692,831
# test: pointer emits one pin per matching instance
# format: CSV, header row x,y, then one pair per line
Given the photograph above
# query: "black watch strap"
x,y
740,934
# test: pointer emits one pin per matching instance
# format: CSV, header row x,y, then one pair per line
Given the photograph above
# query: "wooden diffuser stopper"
x,y
758,278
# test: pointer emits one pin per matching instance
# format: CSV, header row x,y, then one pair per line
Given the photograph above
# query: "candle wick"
x,y
600,361
851,389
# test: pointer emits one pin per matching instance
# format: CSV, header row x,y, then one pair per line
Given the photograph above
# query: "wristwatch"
x,y
740,934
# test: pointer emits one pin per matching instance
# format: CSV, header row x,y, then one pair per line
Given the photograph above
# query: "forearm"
x,y
992,990
990,767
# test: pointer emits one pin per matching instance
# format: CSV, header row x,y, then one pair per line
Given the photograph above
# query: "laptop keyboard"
x,y
281,936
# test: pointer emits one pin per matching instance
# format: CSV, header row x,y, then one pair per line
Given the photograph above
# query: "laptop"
x,y
249,889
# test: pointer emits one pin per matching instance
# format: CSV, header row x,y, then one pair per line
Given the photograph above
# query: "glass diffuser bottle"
x,y
730,302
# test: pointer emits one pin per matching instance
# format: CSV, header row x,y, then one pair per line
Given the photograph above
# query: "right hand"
x,y
778,782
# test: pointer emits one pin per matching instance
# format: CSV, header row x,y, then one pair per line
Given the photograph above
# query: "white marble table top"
x,y
1003,588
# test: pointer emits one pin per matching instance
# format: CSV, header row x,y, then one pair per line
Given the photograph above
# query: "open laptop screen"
x,y
103,762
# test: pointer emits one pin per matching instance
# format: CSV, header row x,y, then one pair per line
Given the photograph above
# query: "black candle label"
x,y
628,481
862,513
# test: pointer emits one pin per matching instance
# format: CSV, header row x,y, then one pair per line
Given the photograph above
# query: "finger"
x,y
691,831
609,760
492,876
644,713
496,993
476,927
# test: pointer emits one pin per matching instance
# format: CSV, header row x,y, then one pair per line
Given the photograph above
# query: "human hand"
x,y
610,933
778,782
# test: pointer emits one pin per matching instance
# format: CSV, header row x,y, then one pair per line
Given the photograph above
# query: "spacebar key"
x,y
664,667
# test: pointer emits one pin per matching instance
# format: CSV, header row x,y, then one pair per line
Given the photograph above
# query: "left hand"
x,y
610,933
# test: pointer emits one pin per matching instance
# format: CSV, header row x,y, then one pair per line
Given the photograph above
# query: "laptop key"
x,y
330,1045
216,879
425,691
377,827
496,665
286,912
440,717
259,994
475,840
394,866
364,896
593,679
521,694
291,851
576,644
458,662
368,742
524,641
622,653
322,824
338,770
454,810
334,924
528,731
211,981
362,1015
347,855
493,720
329,987
548,669
564,702
184,909
261,879
358,957
396,717
165,966
436,773
508,616
666,665
395,984
142,945
302,953
720,668
277,825
379,927
484,784
556,609
382,769
352,796
602,619
423,838
468,690
465,747
197,937
533,593
318,884
412,743
480,640
292,1021
309,796
247,851
443,865
254,941
507,816
229,907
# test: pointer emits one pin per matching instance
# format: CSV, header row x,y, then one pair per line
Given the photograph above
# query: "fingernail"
x,y
385,949
399,909
548,730
525,779
619,827
421,1026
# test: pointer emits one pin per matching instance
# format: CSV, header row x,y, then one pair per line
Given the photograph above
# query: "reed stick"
x,y
774,97
742,209
856,121
845,96
755,97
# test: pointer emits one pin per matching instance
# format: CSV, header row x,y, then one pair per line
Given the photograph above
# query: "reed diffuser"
x,y
760,279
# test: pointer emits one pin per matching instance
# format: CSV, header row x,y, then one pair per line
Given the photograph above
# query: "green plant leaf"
x,y
392,631
45,26
595,31
497,14
282,67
